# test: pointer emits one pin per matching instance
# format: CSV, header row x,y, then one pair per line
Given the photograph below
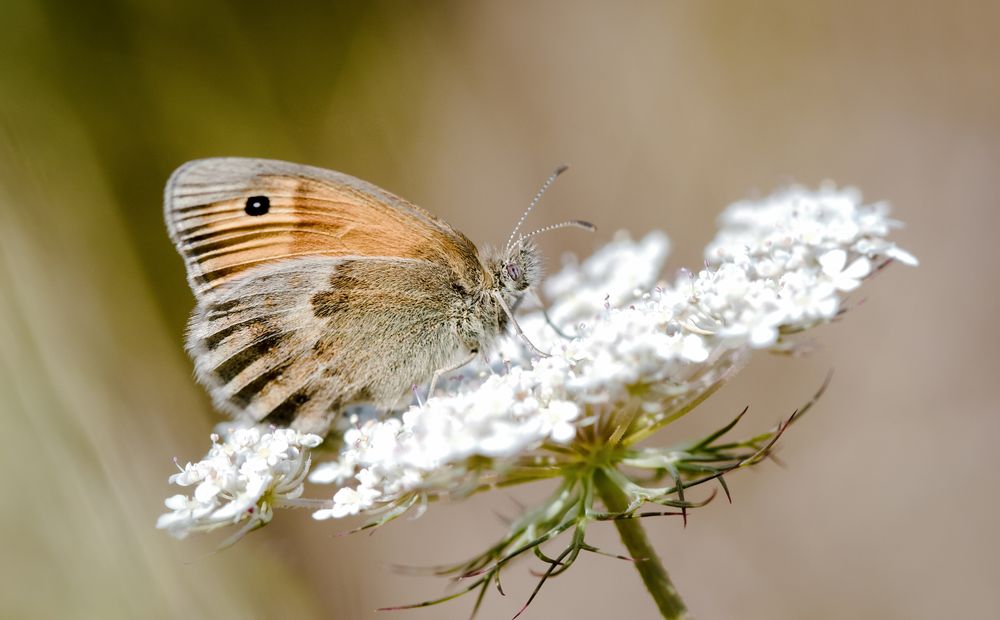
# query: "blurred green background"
x,y
667,111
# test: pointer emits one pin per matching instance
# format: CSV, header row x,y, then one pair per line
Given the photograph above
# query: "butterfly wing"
x,y
230,215
297,341
314,288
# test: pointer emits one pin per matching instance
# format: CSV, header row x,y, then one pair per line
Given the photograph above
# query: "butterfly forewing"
x,y
231,215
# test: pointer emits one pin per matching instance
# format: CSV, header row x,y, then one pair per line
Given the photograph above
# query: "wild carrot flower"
x,y
628,355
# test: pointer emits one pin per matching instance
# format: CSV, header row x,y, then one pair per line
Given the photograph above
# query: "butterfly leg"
x,y
517,327
441,371
545,314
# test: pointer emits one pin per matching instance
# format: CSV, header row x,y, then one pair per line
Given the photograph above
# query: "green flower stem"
x,y
646,561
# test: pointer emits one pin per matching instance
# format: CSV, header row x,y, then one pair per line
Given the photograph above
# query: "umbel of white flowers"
x,y
629,354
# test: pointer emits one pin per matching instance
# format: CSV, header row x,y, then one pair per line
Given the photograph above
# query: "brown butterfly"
x,y
316,290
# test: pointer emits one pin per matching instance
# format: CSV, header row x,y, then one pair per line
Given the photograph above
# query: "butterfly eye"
x,y
257,205
514,272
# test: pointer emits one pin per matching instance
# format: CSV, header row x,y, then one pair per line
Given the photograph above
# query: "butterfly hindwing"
x,y
301,338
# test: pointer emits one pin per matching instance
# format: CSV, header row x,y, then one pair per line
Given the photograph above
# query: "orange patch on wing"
x,y
306,217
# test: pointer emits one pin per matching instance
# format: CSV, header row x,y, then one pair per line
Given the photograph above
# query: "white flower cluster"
x,y
777,265
503,417
782,263
241,479
609,278
795,222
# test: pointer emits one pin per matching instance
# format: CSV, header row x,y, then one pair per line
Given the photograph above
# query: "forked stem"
x,y
646,561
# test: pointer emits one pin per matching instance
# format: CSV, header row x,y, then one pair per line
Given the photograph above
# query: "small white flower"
x,y
693,348
557,420
332,472
843,276
806,298
350,501
185,512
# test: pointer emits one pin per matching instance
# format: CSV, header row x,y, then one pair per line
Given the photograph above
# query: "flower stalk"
x,y
647,562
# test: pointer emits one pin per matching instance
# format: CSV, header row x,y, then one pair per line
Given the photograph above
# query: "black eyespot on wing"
x,y
257,205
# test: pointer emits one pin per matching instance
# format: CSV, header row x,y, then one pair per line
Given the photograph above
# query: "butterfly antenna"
x,y
534,201
570,223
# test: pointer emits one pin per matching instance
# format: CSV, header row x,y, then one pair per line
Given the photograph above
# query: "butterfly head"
x,y
516,269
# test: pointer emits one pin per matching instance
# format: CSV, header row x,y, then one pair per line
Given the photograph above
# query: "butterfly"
x,y
316,290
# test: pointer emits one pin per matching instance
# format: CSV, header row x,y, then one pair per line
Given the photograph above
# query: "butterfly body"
x,y
316,290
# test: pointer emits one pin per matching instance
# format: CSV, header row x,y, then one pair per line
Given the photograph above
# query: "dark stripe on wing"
x,y
203,246
286,412
230,368
237,323
250,391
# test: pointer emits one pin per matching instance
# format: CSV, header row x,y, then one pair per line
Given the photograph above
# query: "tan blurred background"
x,y
667,111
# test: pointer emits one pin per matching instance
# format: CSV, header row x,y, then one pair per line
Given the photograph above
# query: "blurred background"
x,y
667,111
